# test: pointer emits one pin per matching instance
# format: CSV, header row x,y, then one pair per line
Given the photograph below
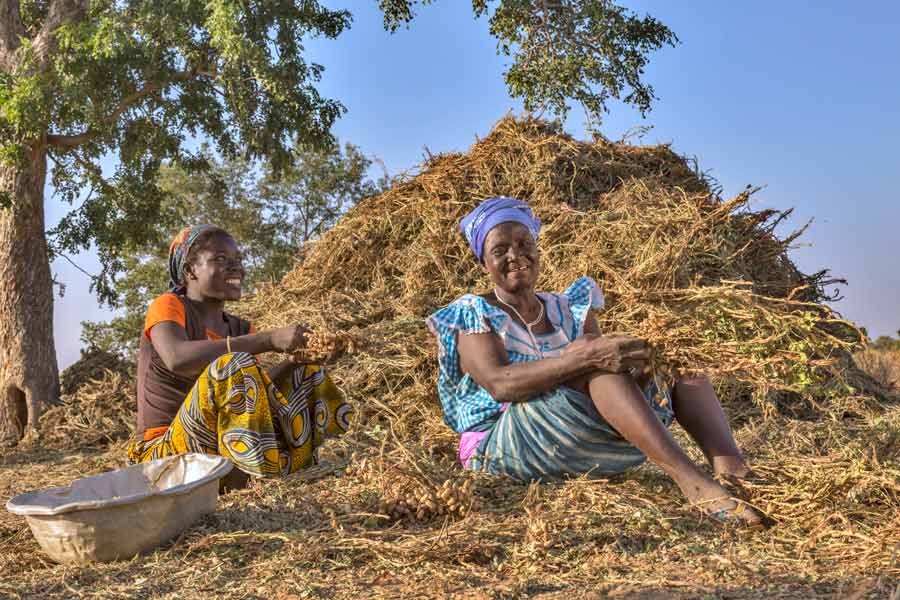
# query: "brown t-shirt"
x,y
161,392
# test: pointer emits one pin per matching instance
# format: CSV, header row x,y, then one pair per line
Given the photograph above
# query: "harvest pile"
x,y
93,364
882,365
415,497
96,405
100,410
707,281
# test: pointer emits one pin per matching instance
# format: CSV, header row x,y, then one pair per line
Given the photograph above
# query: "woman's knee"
x,y
584,383
694,379
611,380
692,386
606,387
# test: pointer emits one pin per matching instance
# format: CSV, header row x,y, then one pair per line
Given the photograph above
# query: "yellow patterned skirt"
x,y
236,411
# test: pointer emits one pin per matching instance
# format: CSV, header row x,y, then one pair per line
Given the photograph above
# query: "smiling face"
x,y
511,258
215,270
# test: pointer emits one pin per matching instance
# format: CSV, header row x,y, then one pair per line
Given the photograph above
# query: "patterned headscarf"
x,y
178,253
478,224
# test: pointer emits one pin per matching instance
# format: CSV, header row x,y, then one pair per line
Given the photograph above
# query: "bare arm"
x,y
189,357
484,358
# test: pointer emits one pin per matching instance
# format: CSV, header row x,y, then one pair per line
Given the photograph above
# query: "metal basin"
x,y
119,514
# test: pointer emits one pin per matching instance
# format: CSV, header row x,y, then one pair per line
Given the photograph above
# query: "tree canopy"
x,y
587,51
140,80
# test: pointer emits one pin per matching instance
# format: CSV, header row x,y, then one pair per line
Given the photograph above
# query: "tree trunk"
x,y
29,377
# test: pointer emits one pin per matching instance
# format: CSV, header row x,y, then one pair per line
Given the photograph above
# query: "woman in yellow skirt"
x,y
200,387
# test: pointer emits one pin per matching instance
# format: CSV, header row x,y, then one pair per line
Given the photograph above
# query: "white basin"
x,y
119,514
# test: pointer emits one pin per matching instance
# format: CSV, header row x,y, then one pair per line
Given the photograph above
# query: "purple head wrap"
x,y
478,224
178,253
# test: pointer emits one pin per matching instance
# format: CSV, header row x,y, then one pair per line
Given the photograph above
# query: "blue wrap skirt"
x,y
560,435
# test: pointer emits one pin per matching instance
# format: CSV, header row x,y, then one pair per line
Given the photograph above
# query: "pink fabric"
x,y
469,440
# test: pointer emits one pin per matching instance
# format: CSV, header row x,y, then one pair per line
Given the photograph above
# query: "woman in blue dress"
x,y
538,394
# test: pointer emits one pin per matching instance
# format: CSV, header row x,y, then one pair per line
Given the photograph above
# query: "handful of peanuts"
x,y
454,497
326,346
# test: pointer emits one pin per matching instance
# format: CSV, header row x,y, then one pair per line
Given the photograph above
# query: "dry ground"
x,y
832,496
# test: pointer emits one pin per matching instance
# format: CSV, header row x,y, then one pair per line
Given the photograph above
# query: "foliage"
x,y
309,197
589,51
886,342
139,81
269,216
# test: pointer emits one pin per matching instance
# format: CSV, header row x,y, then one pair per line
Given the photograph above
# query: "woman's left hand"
x,y
288,339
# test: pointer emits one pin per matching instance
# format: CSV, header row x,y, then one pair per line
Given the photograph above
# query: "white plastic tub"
x,y
119,514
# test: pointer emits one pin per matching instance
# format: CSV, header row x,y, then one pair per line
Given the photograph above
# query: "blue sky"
x,y
801,97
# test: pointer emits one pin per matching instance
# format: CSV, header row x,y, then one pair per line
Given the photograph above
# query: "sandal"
x,y
743,515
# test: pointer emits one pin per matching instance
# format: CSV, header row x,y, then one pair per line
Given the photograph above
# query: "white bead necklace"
x,y
528,325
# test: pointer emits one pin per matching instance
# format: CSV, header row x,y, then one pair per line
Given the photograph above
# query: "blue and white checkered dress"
x,y
552,436
466,403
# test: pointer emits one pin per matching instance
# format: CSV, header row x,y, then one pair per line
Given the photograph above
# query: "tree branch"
x,y
59,13
67,142
11,31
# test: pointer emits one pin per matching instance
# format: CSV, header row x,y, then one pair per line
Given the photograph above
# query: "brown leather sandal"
x,y
743,515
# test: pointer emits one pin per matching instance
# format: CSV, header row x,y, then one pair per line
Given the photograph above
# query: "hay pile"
x,y
100,410
93,364
882,365
97,403
707,281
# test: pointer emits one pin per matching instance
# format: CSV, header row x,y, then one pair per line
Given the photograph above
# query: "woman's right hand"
x,y
287,339
616,353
